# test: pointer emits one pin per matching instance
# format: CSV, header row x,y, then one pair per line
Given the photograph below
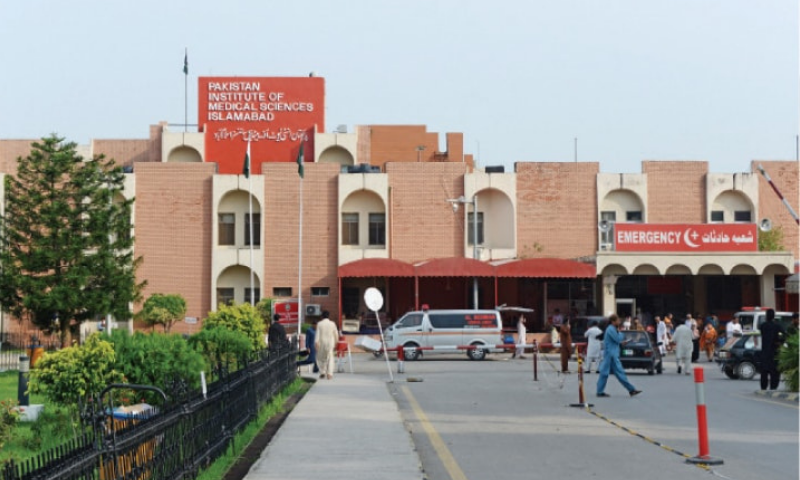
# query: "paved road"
x,y
479,420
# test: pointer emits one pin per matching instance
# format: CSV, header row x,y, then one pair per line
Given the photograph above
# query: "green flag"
x,y
300,159
246,169
186,63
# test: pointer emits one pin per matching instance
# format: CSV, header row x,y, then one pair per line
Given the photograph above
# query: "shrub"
x,y
788,363
73,376
8,418
239,318
220,346
162,360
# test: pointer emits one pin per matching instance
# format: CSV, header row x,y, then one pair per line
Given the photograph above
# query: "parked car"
x,y
639,352
740,357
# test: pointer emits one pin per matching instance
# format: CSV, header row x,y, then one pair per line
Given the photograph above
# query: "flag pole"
x,y
300,247
186,90
250,198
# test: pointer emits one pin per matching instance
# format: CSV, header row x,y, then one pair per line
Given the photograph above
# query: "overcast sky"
x,y
632,80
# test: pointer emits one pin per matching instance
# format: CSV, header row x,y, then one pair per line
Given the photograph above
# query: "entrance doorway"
x,y
626,306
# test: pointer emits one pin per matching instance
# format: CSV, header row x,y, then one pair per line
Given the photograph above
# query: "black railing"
x,y
174,441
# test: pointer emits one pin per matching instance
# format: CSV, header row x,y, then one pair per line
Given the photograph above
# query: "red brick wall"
x,y
676,191
10,151
381,144
423,224
320,230
173,233
785,176
556,209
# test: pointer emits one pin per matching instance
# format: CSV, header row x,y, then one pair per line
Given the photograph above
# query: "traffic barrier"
x,y
581,397
702,424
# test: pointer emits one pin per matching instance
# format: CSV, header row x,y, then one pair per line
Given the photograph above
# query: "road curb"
x,y
776,395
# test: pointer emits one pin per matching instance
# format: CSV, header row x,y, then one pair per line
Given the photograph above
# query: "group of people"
x,y
321,339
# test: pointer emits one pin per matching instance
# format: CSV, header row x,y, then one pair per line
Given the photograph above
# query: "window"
x,y
349,228
282,291
471,233
607,237
717,216
247,290
634,216
741,216
320,291
411,320
256,229
227,229
377,229
224,296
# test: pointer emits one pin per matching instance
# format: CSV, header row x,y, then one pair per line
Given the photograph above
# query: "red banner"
x,y
275,113
717,237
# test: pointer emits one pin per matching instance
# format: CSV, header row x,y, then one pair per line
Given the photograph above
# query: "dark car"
x,y
639,352
740,357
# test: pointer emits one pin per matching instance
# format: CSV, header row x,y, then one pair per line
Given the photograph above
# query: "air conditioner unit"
x,y
313,310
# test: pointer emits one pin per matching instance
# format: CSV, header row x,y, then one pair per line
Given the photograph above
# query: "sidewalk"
x,y
318,440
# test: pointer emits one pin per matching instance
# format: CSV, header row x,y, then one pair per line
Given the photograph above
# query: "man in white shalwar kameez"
x,y
683,347
522,337
594,348
327,338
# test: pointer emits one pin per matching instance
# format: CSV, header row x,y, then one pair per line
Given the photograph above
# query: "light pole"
x,y
475,253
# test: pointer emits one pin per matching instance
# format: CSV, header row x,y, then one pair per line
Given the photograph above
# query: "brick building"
x,y
382,207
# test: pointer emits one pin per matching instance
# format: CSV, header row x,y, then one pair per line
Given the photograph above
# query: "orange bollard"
x,y
702,424
401,359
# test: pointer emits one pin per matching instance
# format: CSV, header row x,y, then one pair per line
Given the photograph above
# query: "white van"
x,y
445,331
751,318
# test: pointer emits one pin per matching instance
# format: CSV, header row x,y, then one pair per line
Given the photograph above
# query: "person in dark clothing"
x,y
276,335
311,349
772,336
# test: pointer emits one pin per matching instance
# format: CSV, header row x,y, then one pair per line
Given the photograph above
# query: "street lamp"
x,y
455,202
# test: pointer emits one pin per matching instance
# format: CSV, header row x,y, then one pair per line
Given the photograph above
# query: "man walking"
x,y
661,336
327,337
612,340
772,335
682,338
522,337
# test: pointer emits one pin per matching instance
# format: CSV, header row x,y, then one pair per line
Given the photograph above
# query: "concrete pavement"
x,y
351,426
345,428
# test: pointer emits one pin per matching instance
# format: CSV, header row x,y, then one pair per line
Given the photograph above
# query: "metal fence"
x,y
174,443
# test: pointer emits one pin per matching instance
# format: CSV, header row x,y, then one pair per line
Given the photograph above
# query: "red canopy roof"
x,y
545,268
453,267
376,267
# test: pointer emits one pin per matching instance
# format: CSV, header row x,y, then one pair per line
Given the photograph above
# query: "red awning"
x,y
453,267
376,267
546,268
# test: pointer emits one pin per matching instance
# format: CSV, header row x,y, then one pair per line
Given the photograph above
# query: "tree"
x,y
66,250
771,240
165,310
